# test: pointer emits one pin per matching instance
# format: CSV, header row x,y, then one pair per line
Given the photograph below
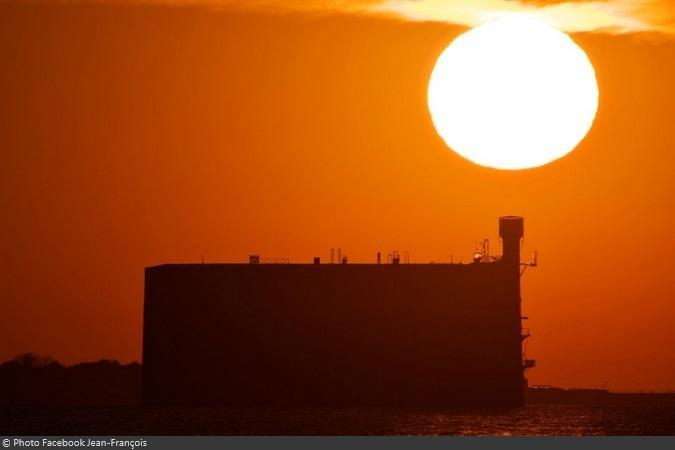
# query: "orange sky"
x,y
137,135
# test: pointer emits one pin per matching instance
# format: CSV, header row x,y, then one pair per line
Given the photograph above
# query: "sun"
x,y
513,94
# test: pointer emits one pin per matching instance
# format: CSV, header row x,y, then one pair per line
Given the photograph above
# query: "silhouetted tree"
x,y
32,360
31,378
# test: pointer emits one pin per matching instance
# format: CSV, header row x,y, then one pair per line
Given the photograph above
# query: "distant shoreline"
x,y
599,397
31,379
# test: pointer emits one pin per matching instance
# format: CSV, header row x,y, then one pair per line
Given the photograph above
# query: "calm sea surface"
x,y
530,420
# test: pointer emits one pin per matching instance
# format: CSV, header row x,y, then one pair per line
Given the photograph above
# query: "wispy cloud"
x,y
614,16
609,16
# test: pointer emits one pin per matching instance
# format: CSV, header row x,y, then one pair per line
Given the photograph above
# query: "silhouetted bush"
x,y
31,361
36,379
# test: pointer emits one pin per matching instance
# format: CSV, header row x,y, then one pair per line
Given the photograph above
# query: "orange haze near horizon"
x,y
137,135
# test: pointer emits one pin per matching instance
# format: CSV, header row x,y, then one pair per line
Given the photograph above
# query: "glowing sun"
x,y
513,94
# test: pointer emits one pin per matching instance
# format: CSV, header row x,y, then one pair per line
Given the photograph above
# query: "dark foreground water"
x,y
531,420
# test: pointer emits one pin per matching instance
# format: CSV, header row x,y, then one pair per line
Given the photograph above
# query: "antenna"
x,y
534,256
482,252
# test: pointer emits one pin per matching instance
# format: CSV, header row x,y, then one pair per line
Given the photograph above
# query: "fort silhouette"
x,y
336,334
